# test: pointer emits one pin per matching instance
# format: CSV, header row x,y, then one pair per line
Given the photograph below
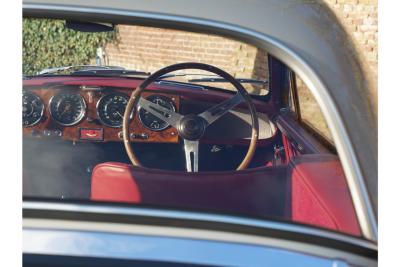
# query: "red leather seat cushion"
x,y
320,195
260,191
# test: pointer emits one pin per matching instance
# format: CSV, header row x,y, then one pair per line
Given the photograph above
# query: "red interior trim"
x,y
320,194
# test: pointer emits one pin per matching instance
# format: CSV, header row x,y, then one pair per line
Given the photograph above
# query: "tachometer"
x,y
32,109
111,109
67,108
152,122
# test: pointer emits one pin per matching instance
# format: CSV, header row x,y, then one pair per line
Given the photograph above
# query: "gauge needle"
x,y
67,108
119,114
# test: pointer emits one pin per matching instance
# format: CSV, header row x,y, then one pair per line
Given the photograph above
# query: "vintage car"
x,y
190,165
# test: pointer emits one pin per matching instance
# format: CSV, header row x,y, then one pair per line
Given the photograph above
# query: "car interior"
x,y
108,134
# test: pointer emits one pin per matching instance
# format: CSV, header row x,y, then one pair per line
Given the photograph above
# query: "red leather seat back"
x,y
320,195
114,183
259,192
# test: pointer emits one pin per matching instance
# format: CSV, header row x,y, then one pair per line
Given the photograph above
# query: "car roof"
x,y
304,35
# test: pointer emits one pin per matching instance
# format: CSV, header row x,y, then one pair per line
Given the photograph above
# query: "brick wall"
x,y
149,49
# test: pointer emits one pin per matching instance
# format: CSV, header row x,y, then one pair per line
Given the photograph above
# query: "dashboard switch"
x,y
91,134
144,136
57,133
46,132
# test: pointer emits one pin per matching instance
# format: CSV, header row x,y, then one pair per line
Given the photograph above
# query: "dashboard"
x,y
92,113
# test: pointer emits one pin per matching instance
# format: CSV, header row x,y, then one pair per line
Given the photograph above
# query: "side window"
x,y
303,104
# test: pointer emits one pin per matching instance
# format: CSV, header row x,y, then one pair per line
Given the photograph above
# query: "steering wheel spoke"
x,y
215,112
167,115
191,155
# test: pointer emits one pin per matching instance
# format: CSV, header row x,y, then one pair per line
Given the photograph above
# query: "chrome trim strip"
x,y
197,216
358,190
167,249
95,227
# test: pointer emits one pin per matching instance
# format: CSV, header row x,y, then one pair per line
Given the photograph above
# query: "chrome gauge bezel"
x,y
162,128
81,115
41,111
101,99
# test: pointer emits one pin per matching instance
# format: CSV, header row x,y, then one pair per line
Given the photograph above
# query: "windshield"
x,y
51,47
186,141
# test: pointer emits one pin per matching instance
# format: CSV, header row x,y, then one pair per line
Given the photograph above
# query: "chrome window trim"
x,y
358,190
196,216
95,227
113,245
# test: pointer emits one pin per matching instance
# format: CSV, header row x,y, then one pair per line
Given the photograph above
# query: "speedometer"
x,y
111,109
152,122
67,108
32,109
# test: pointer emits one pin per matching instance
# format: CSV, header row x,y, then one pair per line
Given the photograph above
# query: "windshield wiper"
x,y
223,80
213,78
92,70
110,72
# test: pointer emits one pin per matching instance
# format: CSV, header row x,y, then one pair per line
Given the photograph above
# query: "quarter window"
x,y
308,111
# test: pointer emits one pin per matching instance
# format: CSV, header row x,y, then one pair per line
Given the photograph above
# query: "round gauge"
x,y
67,108
111,109
152,122
32,109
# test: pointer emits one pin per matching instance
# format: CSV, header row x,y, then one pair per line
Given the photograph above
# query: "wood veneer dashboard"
x,y
90,127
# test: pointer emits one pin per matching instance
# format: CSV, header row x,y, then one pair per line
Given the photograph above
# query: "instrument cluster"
x,y
93,115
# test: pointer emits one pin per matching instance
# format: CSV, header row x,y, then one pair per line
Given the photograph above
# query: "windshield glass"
x,y
187,142
49,45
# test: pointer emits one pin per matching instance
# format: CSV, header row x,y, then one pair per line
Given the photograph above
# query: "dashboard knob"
x,y
46,132
57,133
144,136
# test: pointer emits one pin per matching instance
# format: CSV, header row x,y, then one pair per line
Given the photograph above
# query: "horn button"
x,y
192,127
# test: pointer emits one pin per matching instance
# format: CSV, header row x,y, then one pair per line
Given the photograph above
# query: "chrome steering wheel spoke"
x,y
215,112
167,115
191,155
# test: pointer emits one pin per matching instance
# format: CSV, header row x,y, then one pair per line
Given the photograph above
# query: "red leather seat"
x,y
311,190
259,191
320,195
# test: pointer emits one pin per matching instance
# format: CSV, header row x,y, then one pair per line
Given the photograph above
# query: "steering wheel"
x,y
190,127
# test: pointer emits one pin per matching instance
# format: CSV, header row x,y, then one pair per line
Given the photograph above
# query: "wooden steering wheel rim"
x,y
136,94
